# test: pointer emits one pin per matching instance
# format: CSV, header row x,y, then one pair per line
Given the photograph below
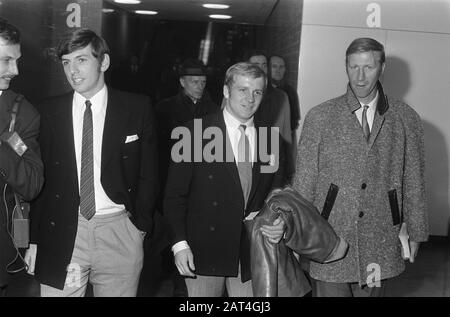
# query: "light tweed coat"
x,y
333,150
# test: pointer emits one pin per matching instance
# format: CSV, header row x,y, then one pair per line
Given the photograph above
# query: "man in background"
x,y
277,79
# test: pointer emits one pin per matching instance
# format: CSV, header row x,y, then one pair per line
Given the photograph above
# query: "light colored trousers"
x,y
214,286
108,253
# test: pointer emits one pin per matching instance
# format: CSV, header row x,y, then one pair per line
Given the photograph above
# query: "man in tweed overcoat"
x,y
364,168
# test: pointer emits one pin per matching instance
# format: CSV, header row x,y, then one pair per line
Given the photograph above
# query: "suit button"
x,y
57,196
56,163
361,214
212,228
129,190
52,223
215,203
125,157
363,186
210,176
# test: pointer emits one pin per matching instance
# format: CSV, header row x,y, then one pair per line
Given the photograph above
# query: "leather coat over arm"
x,y
275,270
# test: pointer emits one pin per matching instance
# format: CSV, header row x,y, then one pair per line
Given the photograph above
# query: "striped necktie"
x,y
87,192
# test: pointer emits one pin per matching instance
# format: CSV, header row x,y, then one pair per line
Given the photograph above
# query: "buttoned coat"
x,y
204,203
379,183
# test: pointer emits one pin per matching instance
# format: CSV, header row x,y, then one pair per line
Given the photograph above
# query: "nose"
x,y
73,68
13,69
250,97
361,74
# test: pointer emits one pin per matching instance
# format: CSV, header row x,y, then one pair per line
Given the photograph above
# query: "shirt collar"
x,y
97,100
232,122
373,104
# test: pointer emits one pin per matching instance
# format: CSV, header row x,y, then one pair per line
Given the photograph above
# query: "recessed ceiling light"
x,y
215,6
148,12
128,1
107,10
220,16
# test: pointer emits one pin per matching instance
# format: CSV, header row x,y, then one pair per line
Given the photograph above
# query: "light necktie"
x,y
244,163
365,124
87,192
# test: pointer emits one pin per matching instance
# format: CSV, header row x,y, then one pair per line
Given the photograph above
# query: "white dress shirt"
x,y
103,204
232,126
370,111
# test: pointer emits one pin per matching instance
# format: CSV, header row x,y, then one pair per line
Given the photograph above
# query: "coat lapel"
x,y
230,162
382,107
113,131
62,122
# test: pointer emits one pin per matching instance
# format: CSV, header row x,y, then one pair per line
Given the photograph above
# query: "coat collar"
x,y
353,103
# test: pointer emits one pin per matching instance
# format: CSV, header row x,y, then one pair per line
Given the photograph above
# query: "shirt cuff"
x,y
179,246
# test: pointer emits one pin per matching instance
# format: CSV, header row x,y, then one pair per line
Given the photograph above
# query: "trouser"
x,y
330,289
108,253
214,286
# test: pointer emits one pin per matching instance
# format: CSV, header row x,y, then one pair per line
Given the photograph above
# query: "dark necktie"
x,y
244,163
365,124
87,193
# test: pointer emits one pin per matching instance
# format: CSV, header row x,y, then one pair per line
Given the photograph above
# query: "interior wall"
x,y
416,36
42,24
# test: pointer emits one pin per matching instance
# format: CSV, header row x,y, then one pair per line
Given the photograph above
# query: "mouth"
x,y
77,81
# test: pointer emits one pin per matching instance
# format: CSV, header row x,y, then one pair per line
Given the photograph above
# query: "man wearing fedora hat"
x,y
191,102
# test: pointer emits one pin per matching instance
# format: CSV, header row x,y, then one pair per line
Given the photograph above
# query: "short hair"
x,y
80,39
365,44
9,33
254,52
244,69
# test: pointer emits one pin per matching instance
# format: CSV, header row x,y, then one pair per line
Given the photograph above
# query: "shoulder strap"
x,y
14,111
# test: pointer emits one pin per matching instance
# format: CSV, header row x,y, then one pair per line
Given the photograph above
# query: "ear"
x,y
226,92
105,63
182,82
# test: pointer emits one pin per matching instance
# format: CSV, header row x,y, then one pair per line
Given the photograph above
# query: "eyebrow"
x,y
78,56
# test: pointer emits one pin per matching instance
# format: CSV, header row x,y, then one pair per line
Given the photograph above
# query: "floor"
x,y
429,276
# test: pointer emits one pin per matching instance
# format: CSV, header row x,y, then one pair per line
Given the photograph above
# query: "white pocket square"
x,y
131,138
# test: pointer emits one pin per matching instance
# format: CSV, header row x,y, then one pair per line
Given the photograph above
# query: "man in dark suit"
x,y
210,192
99,150
20,172
191,102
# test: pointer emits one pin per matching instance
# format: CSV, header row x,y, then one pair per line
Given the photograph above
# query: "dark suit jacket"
x,y
204,205
128,176
24,175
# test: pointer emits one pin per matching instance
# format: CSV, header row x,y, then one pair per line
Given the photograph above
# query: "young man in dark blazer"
x,y
99,152
206,200
22,173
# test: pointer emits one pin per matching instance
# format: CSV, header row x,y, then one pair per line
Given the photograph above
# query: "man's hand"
x,y
274,232
30,258
184,260
414,248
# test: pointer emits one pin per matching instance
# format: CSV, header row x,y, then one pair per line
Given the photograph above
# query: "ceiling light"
x,y
107,10
148,12
128,1
215,6
220,16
